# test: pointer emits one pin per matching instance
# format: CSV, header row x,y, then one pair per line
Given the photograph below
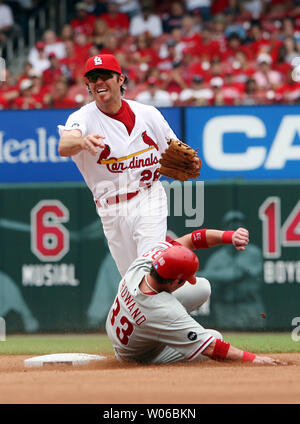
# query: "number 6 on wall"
x,y
49,238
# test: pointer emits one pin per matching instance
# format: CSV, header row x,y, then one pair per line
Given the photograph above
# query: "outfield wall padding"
x,y
56,272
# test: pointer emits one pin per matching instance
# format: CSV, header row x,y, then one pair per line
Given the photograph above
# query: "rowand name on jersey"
x,y
130,304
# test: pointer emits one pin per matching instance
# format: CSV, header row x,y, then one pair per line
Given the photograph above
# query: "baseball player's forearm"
x,y
212,238
221,350
71,143
205,238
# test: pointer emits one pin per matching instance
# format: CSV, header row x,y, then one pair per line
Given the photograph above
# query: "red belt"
x,y
119,198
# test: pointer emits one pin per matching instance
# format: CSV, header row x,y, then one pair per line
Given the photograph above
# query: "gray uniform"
x,y
157,328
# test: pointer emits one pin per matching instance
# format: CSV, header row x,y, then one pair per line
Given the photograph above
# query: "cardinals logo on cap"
x,y
107,62
97,60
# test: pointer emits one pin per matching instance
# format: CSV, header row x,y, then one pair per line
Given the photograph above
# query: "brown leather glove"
x,y
178,161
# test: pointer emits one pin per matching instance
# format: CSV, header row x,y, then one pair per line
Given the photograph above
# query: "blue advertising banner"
x,y
260,142
29,140
247,142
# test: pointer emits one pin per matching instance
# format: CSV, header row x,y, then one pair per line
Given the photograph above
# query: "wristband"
x,y
227,237
248,357
220,349
198,238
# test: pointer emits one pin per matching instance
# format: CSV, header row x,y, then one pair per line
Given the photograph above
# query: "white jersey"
x,y
128,161
141,326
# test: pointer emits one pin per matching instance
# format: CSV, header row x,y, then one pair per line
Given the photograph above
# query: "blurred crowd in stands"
x,y
188,52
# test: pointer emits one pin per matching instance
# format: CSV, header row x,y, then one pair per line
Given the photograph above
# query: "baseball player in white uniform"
x,y
116,145
149,320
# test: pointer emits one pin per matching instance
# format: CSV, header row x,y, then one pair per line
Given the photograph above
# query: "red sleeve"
x,y
173,242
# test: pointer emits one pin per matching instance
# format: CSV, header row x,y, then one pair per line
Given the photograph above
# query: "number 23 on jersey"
x,y
127,327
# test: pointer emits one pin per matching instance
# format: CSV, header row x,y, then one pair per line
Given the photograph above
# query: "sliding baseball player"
x,y
149,320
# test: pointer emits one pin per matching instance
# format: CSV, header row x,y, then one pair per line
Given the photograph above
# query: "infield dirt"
x,y
110,382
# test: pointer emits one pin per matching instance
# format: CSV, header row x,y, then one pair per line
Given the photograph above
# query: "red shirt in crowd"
x,y
85,26
40,95
191,42
64,103
82,51
207,51
117,21
5,87
283,68
260,46
218,6
147,55
105,50
4,103
242,75
27,103
72,63
196,68
233,91
51,75
229,53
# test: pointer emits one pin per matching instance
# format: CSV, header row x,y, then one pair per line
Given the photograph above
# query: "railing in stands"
x,y
52,15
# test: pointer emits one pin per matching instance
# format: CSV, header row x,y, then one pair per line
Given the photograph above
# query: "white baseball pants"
x,y
133,227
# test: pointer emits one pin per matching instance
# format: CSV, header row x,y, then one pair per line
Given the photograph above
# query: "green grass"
x,y
99,343
264,342
44,344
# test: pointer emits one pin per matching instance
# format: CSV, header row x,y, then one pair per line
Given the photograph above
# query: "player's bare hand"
x,y
240,238
92,143
266,360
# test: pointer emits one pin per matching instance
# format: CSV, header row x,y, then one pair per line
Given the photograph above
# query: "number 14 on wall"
x,y
273,235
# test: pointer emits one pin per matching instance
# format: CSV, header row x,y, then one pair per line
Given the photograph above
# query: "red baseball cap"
x,y
102,61
177,263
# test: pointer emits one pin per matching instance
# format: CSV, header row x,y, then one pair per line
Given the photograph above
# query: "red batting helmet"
x,y
107,62
177,263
